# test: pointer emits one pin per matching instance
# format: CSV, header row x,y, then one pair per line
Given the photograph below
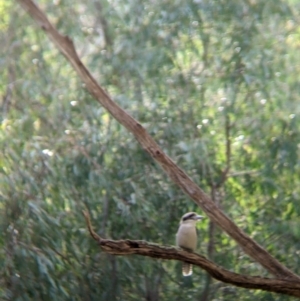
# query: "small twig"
x,y
243,172
88,222
103,23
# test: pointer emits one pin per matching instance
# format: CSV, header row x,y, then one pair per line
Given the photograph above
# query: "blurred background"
x,y
216,83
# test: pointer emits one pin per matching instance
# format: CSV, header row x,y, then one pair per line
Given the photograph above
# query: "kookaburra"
x,y
186,237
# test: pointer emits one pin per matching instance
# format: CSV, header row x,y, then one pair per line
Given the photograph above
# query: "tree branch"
x,y
250,247
139,247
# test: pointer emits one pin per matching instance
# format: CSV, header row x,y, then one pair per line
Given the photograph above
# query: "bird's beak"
x,y
199,217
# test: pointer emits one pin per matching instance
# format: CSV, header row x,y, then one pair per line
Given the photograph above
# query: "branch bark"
x,y
250,247
139,247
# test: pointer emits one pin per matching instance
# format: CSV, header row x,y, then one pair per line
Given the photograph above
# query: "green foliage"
x,y
182,68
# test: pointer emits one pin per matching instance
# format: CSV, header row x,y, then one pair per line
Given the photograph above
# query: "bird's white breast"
x,y
186,236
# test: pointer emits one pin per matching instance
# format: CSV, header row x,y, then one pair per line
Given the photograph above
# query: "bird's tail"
x,y
187,269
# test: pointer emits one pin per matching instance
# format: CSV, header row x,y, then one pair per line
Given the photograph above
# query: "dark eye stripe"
x,y
188,216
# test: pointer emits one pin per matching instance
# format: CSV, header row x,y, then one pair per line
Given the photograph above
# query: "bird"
x,y
186,237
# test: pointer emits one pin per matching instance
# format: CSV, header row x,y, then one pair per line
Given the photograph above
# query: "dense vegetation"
x,y
216,83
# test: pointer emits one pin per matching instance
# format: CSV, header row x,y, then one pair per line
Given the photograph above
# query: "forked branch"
x,y
250,247
139,247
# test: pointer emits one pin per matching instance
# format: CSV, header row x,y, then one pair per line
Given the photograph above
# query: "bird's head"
x,y
191,217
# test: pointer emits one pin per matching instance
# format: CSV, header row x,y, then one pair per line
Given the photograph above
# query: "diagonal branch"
x,y
250,247
139,247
